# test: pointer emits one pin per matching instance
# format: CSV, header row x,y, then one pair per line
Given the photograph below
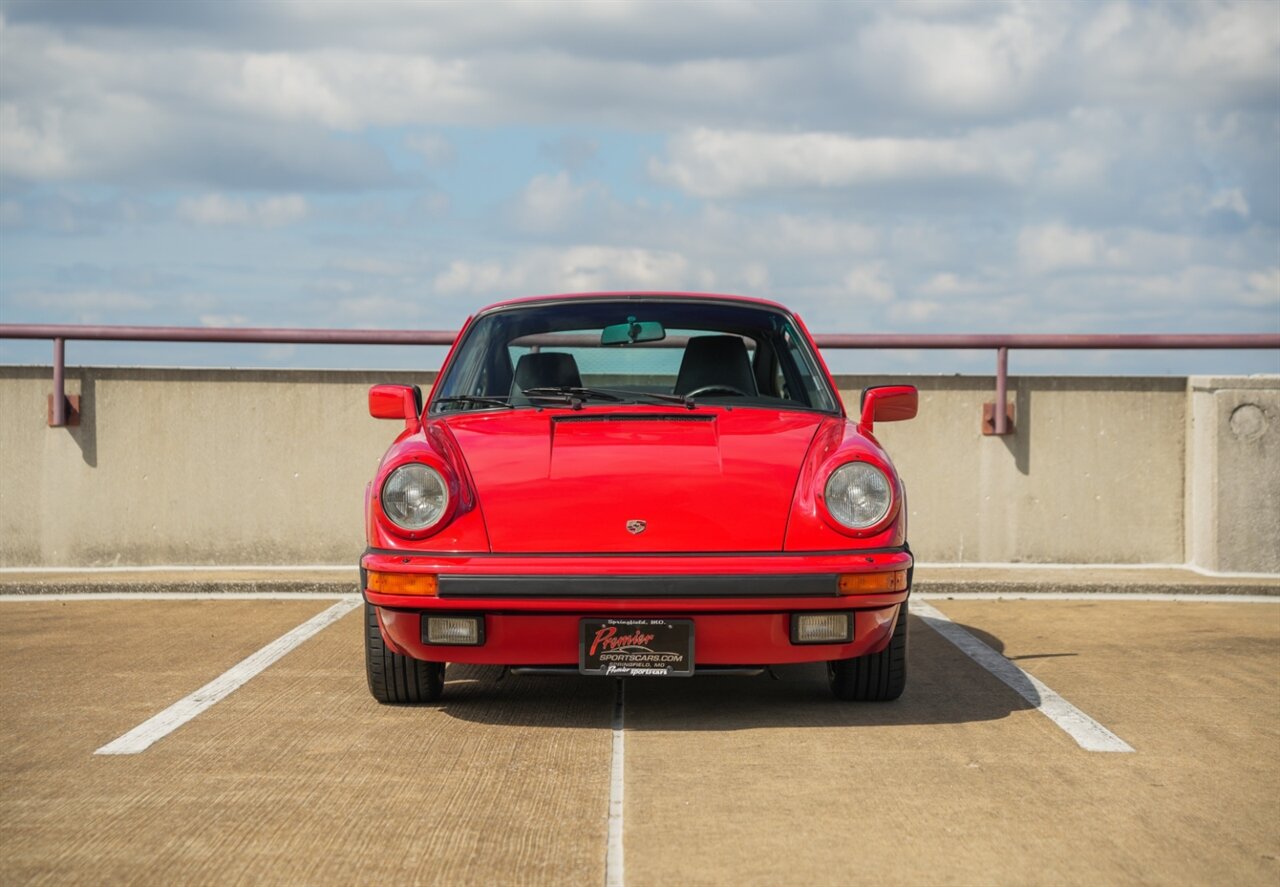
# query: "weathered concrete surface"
x,y
189,466
300,777
1233,473
960,782
269,467
1093,473
961,579
151,582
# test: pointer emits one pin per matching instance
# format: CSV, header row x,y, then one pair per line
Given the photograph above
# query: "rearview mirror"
x,y
888,403
396,402
632,331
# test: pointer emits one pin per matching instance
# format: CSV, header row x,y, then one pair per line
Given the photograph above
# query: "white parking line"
x,y
141,738
614,872
1160,597
1088,733
190,568
178,596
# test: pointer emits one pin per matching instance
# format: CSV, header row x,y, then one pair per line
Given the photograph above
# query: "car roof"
x,y
637,295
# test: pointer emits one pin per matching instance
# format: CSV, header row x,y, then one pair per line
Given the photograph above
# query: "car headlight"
x,y
858,495
414,496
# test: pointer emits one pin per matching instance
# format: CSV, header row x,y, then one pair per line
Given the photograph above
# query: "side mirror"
x,y
888,403
396,402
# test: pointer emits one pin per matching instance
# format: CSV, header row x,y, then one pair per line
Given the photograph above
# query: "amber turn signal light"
x,y
403,583
871,583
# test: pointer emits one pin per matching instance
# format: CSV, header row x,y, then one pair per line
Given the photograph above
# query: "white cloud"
x,y
218,209
941,164
794,234
778,234
222,320
584,268
373,267
755,275
437,150
1229,200
349,65
720,163
469,278
949,284
372,311
870,282
983,66
32,143
1262,289
91,302
1054,247
915,311
549,202
344,89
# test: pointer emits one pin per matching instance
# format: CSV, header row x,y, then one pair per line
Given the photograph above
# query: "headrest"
x,y
547,369
715,360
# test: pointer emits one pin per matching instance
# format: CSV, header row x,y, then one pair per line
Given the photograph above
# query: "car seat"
x,y
547,369
715,360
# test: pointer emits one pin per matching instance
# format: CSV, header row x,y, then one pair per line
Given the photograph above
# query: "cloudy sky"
x,y
917,167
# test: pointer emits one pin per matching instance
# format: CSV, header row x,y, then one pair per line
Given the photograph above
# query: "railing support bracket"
x,y
70,411
989,419
999,420
63,410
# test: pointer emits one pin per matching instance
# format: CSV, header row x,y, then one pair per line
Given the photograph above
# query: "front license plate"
x,y
636,647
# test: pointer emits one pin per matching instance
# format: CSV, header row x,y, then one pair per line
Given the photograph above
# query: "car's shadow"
x,y
944,687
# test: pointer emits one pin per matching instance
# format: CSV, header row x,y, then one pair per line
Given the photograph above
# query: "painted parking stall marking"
x,y
1088,733
149,732
615,871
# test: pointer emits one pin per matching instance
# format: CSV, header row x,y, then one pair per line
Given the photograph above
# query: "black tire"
x,y
396,679
876,677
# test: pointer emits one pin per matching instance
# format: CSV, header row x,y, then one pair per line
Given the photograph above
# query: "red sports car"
x,y
636,484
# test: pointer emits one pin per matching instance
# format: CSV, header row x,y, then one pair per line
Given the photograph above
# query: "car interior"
x,y
717,352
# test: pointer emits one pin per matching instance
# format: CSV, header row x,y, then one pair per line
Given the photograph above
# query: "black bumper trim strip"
x,y
797,585
846,552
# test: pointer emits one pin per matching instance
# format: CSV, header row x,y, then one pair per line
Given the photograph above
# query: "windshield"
x,y
633,351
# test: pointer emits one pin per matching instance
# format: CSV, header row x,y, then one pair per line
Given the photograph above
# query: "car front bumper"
x,y
741,605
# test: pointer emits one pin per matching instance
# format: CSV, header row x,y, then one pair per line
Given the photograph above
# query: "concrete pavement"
x,y
299,776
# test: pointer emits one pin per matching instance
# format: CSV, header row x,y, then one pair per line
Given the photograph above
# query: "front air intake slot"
x,y
632,417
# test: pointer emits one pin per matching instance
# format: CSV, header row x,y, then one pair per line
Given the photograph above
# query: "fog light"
x,y
457,631
822,628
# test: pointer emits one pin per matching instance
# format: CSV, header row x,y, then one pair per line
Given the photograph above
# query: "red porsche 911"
x,y
636,484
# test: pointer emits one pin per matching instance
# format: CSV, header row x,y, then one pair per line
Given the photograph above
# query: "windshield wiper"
x,y
569,395
575,397
476,400
682,399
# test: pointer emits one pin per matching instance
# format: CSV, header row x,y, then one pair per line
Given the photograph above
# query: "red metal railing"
x,y
997,420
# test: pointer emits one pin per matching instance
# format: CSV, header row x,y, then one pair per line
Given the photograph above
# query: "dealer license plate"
x,y
636,647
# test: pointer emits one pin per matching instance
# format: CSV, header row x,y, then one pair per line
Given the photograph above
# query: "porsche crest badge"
x,y
636,527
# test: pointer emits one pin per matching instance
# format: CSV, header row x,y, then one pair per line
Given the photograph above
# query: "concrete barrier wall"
x,y
269,466
1092,474
1233,487
189,466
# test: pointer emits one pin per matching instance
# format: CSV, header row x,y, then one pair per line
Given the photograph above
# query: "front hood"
x,y
707,480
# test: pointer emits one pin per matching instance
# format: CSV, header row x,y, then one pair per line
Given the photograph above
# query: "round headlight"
x,y
858,495
415,496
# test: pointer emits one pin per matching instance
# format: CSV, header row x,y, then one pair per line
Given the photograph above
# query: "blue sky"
x,y
920,167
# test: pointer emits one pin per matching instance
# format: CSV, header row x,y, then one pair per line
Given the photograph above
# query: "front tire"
x,y
396,679
875,677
